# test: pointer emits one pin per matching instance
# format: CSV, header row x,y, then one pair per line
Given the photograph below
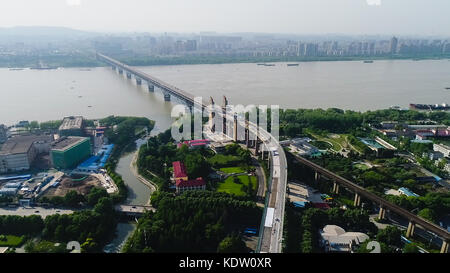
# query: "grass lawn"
x,y
12,241
360,166
229,186
233,170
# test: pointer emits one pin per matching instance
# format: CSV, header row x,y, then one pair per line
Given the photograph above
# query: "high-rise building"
x,y
393,46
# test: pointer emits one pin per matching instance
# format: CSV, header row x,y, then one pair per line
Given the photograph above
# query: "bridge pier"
x,y
151,88
138,81
113,67
316,176
357,201
335,188
382,213
128,75
120,71
444,248
410,230
166,97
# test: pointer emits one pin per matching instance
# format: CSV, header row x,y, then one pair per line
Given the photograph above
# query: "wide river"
x,y
98,92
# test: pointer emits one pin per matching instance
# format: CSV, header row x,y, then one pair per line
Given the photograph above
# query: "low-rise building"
x,y
179,171
444,149
18,153
193,184
68,152
336,239
72,126
182,182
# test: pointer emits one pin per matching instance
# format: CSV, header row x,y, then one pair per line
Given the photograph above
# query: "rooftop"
x,y
179,170
198,182
71,123
65,143
21,144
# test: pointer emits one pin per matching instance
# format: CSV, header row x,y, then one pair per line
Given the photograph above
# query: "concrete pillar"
x,y
382,213
410,230
357,201
166,96
335,188
235,129
151,88
247,138
317,176
128,75
138,81
444,248
257,147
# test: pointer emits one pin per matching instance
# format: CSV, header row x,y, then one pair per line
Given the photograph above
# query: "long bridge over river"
x,y
271,231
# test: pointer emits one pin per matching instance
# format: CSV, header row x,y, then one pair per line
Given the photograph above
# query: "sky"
x,y
353,17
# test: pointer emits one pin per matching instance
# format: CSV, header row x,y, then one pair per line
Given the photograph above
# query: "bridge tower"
x,y
212,114
224,112
235,128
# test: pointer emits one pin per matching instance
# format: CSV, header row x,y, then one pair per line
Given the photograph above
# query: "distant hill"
x,y
43,31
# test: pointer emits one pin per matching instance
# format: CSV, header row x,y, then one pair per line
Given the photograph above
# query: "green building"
x,y
68,152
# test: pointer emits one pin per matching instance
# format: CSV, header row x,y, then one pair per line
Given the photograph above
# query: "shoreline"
x,y
174,61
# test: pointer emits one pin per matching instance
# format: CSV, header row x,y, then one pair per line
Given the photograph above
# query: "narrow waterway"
x,y
138,194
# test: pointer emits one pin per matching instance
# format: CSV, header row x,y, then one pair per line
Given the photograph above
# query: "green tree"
x,y
232,244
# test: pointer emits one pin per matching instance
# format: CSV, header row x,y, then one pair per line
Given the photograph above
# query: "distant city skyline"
x,y
302,17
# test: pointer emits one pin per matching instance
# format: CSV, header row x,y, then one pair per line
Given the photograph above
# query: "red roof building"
x,y
194,143
179,171
194,184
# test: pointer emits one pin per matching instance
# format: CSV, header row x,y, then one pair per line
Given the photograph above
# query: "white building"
x,y
18,153
444,149
335,239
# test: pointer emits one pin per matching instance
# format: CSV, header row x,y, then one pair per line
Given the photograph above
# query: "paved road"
x,y
43,212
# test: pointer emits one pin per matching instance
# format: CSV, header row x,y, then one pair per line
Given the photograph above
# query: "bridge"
x,y
168,89
133,210
384,204
271,233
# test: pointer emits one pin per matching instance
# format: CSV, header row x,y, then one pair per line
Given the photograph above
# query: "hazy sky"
x,y
400,17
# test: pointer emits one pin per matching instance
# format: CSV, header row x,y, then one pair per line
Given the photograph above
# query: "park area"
x,y
10,240
237,184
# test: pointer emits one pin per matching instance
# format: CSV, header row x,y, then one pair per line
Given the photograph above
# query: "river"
x,y
98,92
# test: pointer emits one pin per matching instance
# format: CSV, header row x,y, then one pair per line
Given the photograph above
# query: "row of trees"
x,y
200,221
293,122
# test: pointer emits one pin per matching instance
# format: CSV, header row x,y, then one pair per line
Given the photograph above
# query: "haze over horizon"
x,y
304,17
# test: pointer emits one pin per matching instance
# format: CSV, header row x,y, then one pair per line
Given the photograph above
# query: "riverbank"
x,y
91,62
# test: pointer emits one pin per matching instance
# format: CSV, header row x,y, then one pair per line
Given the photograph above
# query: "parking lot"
x,y
299,192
